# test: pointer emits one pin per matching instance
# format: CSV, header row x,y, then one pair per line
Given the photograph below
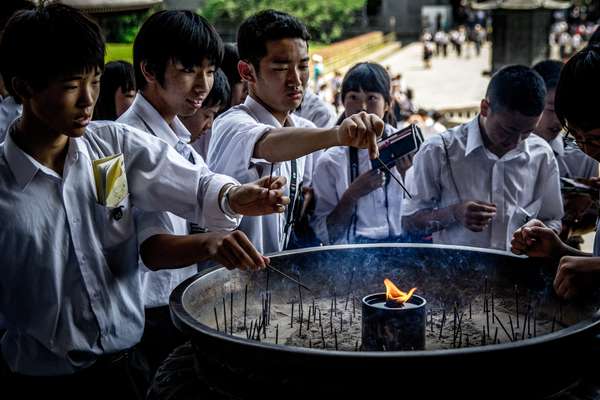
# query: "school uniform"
x,y
234,136
314,109
201,144
158,285
572,162
455,167
9,111
376,216
160,335
70,290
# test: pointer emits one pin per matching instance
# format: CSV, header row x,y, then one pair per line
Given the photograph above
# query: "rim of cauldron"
x,y
184,321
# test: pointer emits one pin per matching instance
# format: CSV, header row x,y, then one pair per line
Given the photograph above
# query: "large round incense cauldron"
x,y
494,327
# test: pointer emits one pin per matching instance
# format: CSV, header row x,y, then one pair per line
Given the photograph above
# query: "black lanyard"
x,y
290,218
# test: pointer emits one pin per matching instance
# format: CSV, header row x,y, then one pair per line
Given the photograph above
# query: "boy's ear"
x,y
246,71
148,72
484,108
21,87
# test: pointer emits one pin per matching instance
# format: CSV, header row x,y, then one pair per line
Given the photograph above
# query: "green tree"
x,y
325,19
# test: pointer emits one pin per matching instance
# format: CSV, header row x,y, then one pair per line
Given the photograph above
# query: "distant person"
x,y
576,107
354,202
117,91
475,184
237,87
200,123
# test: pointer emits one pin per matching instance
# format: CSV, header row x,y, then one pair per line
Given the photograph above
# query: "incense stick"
x,y
272,268
393,176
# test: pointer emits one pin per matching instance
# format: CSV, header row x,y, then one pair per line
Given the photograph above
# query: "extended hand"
x,y
474,215
576,274
536,240
264,196
234,250
361,130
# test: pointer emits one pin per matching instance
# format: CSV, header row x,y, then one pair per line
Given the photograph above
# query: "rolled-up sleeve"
x,y
231,149
548,185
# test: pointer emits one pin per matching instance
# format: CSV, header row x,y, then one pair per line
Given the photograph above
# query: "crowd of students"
x,y
85,284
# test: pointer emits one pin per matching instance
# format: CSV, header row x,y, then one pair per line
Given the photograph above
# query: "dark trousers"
x,y
119,376
160,337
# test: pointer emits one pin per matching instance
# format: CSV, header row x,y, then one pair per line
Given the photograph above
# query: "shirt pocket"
x,y
115,225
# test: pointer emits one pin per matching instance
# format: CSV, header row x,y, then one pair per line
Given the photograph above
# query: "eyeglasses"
x,y
591,142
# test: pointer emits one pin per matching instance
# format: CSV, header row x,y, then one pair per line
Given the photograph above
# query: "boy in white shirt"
x,y
172,80
577,110
70,292
477,183
263,135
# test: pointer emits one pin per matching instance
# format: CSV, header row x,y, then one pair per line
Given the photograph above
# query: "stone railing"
x,y
347,52
454,116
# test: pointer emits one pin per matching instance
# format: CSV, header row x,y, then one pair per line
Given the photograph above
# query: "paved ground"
x,y
451,81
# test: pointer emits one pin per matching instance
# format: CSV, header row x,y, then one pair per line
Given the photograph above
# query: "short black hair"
x,y
9,7
368,77
220,93
49,42
230,64
258,29
517,88
549,70
576,100
118,75
175,35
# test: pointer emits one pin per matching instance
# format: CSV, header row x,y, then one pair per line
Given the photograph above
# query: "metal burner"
x,y
390,326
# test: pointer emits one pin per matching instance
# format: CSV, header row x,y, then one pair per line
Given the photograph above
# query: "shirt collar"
x,y
265,116
23,166
474,139
558,146
157,125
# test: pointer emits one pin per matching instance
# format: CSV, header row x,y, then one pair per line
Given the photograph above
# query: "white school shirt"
x,y
70,288
572,161
9,111
158,285
378,214
523,184
314,109
231,149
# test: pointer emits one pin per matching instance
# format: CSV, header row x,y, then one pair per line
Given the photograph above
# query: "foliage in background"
x,y
122,28
327,20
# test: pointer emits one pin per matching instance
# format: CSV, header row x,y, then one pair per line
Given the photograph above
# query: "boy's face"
x,y
65,106
201,121
123,100
588,141
548,126
505,129
283,74
184,89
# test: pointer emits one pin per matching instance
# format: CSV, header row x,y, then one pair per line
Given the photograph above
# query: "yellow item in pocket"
x,y
110,179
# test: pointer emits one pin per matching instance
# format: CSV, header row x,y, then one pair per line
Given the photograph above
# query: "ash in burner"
x,y
495,316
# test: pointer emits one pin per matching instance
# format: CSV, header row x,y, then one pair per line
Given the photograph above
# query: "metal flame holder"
x,y
390,327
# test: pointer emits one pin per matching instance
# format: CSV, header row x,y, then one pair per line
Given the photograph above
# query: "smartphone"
x,y
399,144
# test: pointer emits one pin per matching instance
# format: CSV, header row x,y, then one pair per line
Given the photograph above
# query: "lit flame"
x,y
395,294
